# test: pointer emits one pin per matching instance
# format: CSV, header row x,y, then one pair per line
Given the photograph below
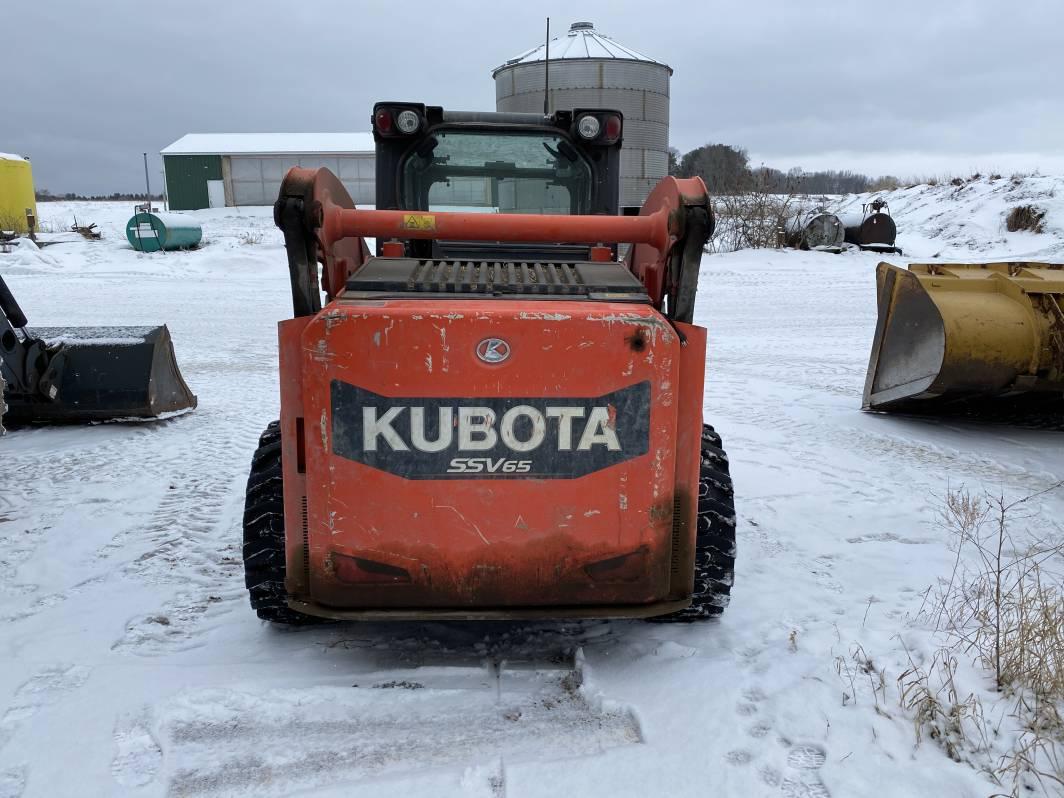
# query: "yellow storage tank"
x,y
16,192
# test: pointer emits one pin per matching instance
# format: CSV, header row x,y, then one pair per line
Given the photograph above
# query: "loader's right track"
x,y
264,559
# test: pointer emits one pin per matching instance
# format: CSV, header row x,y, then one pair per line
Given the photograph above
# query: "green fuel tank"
x,y
151,232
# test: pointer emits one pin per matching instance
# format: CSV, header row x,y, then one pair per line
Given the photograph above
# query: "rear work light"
x,y
588,127
408,121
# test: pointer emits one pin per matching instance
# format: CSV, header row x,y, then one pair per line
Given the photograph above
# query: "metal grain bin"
x,y
16,192
590,70
151,232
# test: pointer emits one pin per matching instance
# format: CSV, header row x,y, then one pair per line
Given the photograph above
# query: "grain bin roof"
x,y
271,144
580,43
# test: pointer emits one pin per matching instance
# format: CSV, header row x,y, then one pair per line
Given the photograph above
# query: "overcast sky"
x,y
898,87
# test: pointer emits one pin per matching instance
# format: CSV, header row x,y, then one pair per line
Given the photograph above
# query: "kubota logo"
x,y
493,350
431,438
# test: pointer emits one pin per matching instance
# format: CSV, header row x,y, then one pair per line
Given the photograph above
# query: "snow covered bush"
x,y
1026,217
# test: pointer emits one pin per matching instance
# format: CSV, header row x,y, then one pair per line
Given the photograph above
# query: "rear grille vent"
x,y
677,529
306,540
495,278
489,277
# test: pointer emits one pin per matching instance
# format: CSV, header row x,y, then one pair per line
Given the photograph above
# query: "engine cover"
x,y
487,453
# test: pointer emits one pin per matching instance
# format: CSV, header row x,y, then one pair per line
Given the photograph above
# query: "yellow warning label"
x,y
418,221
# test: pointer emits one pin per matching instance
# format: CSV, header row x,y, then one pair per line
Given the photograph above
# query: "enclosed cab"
x,y
490,416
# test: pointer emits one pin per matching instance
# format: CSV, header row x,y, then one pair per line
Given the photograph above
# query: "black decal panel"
x,y
489,438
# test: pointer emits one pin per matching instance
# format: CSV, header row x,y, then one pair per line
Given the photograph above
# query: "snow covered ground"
x,y
131,664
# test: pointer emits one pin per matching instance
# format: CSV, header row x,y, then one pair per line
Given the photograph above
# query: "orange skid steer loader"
x,y
492,416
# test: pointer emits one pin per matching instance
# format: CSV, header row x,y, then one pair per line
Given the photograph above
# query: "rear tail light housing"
x,y
611,131
398,120
383,122
598,127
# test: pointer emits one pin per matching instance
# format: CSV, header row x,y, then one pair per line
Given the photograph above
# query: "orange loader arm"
x,y
322,225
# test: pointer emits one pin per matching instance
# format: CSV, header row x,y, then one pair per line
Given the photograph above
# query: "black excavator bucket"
x,y
77,374
104,373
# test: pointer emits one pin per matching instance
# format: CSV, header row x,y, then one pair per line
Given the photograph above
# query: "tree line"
x,y
727,170
44,195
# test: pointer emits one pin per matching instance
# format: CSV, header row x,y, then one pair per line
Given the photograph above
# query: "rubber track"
x,y
264,558
714,538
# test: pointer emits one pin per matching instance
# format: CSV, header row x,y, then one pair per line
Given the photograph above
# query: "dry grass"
x,y
250,239
857,668
13,222
18,224
1003,606
1026,217
930,695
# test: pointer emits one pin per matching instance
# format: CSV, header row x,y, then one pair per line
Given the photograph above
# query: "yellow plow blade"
x,y
956,334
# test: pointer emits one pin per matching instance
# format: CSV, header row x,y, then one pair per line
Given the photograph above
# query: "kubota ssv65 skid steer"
x,y
492,416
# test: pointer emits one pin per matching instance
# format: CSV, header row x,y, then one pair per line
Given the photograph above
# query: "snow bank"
x,y
967,221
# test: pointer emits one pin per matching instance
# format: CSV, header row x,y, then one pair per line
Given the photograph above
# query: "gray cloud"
x,y
902,87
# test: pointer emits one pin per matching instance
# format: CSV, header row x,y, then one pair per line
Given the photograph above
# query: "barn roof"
x,y
272,144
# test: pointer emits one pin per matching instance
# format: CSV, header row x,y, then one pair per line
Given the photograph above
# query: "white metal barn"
x,y
210,170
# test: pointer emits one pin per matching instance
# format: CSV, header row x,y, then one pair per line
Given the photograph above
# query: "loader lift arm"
x,y
321,225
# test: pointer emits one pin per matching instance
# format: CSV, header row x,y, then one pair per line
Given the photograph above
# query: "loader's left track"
x,y
264,559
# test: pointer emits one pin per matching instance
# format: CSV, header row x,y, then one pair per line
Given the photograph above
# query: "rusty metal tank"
x,y
815,229
873,228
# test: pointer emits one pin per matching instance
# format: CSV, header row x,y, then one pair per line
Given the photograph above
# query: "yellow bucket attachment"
x,y
955,334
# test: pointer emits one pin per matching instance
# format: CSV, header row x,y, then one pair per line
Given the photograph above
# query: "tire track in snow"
x,y
46,687
194,539
235,743
46,489
12,782
891,445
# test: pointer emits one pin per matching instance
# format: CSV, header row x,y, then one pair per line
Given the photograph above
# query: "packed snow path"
x,y
130,663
